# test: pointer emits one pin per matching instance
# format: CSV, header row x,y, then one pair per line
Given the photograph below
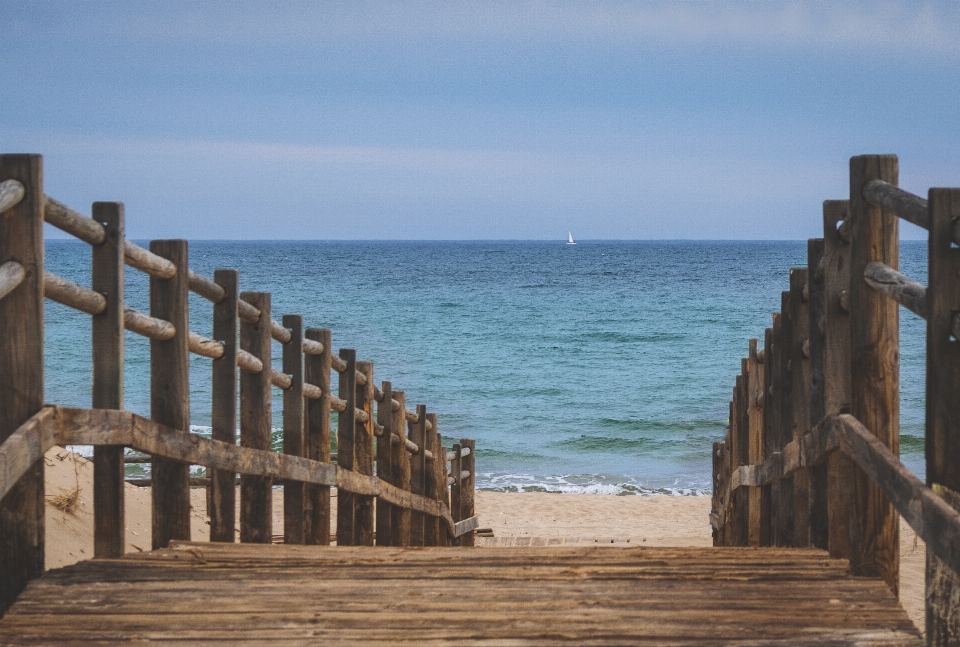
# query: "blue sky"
x,y
449,120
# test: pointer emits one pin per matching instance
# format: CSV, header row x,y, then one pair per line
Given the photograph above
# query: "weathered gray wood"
x,y
758,535
784,504
223,487
11,275
364,455
875,368
819,518
430,480
771,411
256,419
108,467
467,488
892,198
209,290
74,223
11,193
346,448
400,460
800,394
317,437
150,263
153,328
72,295
170,393
902,289
385,419
942,412
836,371
418,473
293,445
442,489
456,470
25,446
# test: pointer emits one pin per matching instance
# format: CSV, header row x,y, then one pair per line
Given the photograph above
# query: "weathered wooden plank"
x,y
468,486
223,488
418,472
170,393
800,394
400,461
364,455
385,418
902,289
875,368
107,343
317,431
784,505
25,446
346,449
293,520
819,518
430,479
256,420
758,530
942,413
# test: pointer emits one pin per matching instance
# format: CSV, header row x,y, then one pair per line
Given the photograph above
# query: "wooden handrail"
x,y
902,289
11,193
906,205
11,275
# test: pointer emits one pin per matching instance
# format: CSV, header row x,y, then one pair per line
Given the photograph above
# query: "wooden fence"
x,y
811,454
393,484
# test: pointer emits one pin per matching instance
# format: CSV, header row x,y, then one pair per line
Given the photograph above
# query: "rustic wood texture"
x,y
107,344
757,533
317,432
836,370
385,419
256,420
784,504
400,523
800,394
430,479
25,446
892,198
365,455
902,289
579,595
223,489
819,517
771,416
21,374
346,450
875,368
170,393
942,413
468,486
293,522
11,275
418,473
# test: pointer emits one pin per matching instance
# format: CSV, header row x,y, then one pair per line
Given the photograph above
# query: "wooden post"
x,y
875,364
765,443
739,441
293,522
385,419
456,469
730,527
317,372
400,459
430,483
800,400
819,525
170,394
346,428
223,484
21,374
256,420
783,535
756,534
942,413
442,489
467,485
836,371
418,473
364,458
108,468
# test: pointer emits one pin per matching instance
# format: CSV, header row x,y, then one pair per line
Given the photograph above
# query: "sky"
x,y
477,120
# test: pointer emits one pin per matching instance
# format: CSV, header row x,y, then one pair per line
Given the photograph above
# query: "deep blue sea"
x,y
602,367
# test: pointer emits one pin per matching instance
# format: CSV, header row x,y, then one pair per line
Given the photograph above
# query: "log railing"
x,y
811,454
391,472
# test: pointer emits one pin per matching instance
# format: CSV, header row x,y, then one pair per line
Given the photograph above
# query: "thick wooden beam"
x,y
430,480
256,420
170,394
875,368
108,468
346,450
819,519
223,488
942,412
317,431
385,418
467,488
418,473
757,532
799,366
293,521
771,413
400,460
784,504
364,532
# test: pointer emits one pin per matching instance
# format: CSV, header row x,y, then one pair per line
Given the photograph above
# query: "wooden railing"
x,y
393,484
811,454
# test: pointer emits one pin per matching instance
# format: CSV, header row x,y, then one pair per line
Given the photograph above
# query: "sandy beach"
x,y
516,519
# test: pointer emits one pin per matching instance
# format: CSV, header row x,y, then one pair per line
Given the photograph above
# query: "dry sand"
x,y
640,520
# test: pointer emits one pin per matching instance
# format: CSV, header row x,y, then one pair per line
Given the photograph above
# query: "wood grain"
x,y
346,456
223,489
317,432
293,521
256,421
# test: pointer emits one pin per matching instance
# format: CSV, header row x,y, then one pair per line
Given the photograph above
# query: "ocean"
x,y
601,367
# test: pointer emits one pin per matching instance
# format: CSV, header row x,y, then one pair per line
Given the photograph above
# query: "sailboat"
x,y
570,240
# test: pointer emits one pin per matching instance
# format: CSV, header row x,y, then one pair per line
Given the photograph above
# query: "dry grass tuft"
x,y
66,502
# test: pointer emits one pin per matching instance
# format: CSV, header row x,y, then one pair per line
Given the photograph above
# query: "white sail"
x,y
570,238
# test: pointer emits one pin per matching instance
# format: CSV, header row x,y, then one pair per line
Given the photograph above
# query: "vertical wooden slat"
x,y
942,412
223,484
784,432
293,523
768,412
719,486
455,490
256,421
346,428
364,458
400,459
430,483
385,419
800,400
418,471
467,487
170,394
729,454
836,371
754,394
108,469
771,416
21,374
819,526
317,431
875,368
740,445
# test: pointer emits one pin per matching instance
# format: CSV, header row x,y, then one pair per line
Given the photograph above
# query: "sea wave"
x,y
589,484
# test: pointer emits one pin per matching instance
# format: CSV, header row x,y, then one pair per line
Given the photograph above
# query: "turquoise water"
x,y
602,367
